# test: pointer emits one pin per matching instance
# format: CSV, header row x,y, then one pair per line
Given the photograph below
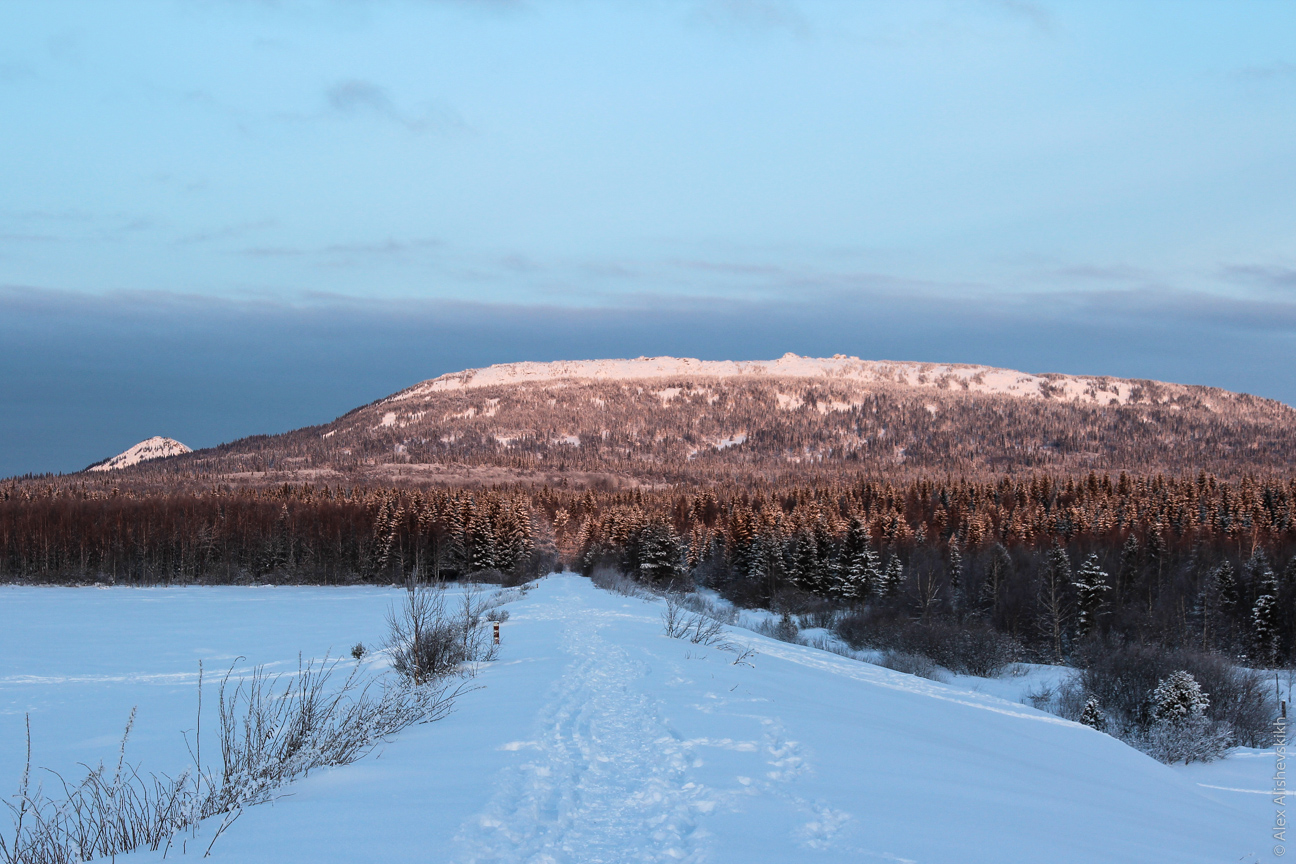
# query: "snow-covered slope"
x,y
594,738
156,447
665,419
945,376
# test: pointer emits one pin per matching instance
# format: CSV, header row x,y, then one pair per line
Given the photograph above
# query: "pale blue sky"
x,y
999,181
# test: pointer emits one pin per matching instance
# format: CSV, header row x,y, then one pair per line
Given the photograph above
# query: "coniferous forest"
x,y
1040,567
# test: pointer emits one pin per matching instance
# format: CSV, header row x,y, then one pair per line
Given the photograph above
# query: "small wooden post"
x,y
496,632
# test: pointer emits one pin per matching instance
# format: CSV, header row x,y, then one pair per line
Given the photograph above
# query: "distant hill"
x,y
663,419
156,447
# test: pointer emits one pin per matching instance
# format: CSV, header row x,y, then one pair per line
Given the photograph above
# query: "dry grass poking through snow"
x,y
273,729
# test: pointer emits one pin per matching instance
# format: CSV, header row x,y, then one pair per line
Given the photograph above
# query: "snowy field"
x,y
595,738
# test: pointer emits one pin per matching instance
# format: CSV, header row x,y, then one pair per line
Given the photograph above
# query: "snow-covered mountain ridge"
x,y
667,419
156,447
838,368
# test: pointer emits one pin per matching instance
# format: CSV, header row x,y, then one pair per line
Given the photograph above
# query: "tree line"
x,y
1051,562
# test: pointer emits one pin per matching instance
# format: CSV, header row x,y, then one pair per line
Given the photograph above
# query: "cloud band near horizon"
x,y
83,377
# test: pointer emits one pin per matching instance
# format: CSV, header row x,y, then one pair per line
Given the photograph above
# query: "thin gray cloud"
x,y
356,97
331,252
1265,275
731,267
84,376
226,232
1268,71
1101,272
10,72
1035,14
385,247
753,16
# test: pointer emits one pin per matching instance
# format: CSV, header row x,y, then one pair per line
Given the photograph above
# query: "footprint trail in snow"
x,y
608,779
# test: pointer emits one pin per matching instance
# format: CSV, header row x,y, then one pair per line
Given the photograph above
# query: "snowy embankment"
x,y
595,738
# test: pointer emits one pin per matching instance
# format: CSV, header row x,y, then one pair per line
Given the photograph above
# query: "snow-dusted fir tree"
x,y
1264,618
1092,715
1264,629
659,552
805,564
1226,586
955,572
1178,697
871,575
514,534
483,544
893,576
1257,568
827,563
997,571
852,582
1181,731
1091,589
1129,564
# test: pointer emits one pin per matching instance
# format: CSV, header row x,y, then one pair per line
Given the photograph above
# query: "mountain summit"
x,y
156,447
667,419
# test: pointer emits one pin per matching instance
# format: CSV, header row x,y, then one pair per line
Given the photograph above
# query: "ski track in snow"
x,y
610,778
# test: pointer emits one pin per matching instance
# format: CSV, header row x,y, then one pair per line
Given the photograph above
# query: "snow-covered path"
x,y
594,738
605,779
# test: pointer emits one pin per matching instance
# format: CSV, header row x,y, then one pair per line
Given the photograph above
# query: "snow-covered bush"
x,y
1123,678
1180,730
784,629
428,638
705,606
913,664
968,650
1042,696
1178,697
271,733
611,579
679,622
1195,738
1135,693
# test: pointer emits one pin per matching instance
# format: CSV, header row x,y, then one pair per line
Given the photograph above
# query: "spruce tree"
x,y
1178,698
1265,636
1051,597
1093,716
998,570
1264,629
1091,587
1226,587
954,570
659,552
873,573
483,544
893,576
854,584
1129,566
827,574
805,563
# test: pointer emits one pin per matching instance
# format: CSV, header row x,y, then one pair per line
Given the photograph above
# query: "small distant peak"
x,y
156,447
790,356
